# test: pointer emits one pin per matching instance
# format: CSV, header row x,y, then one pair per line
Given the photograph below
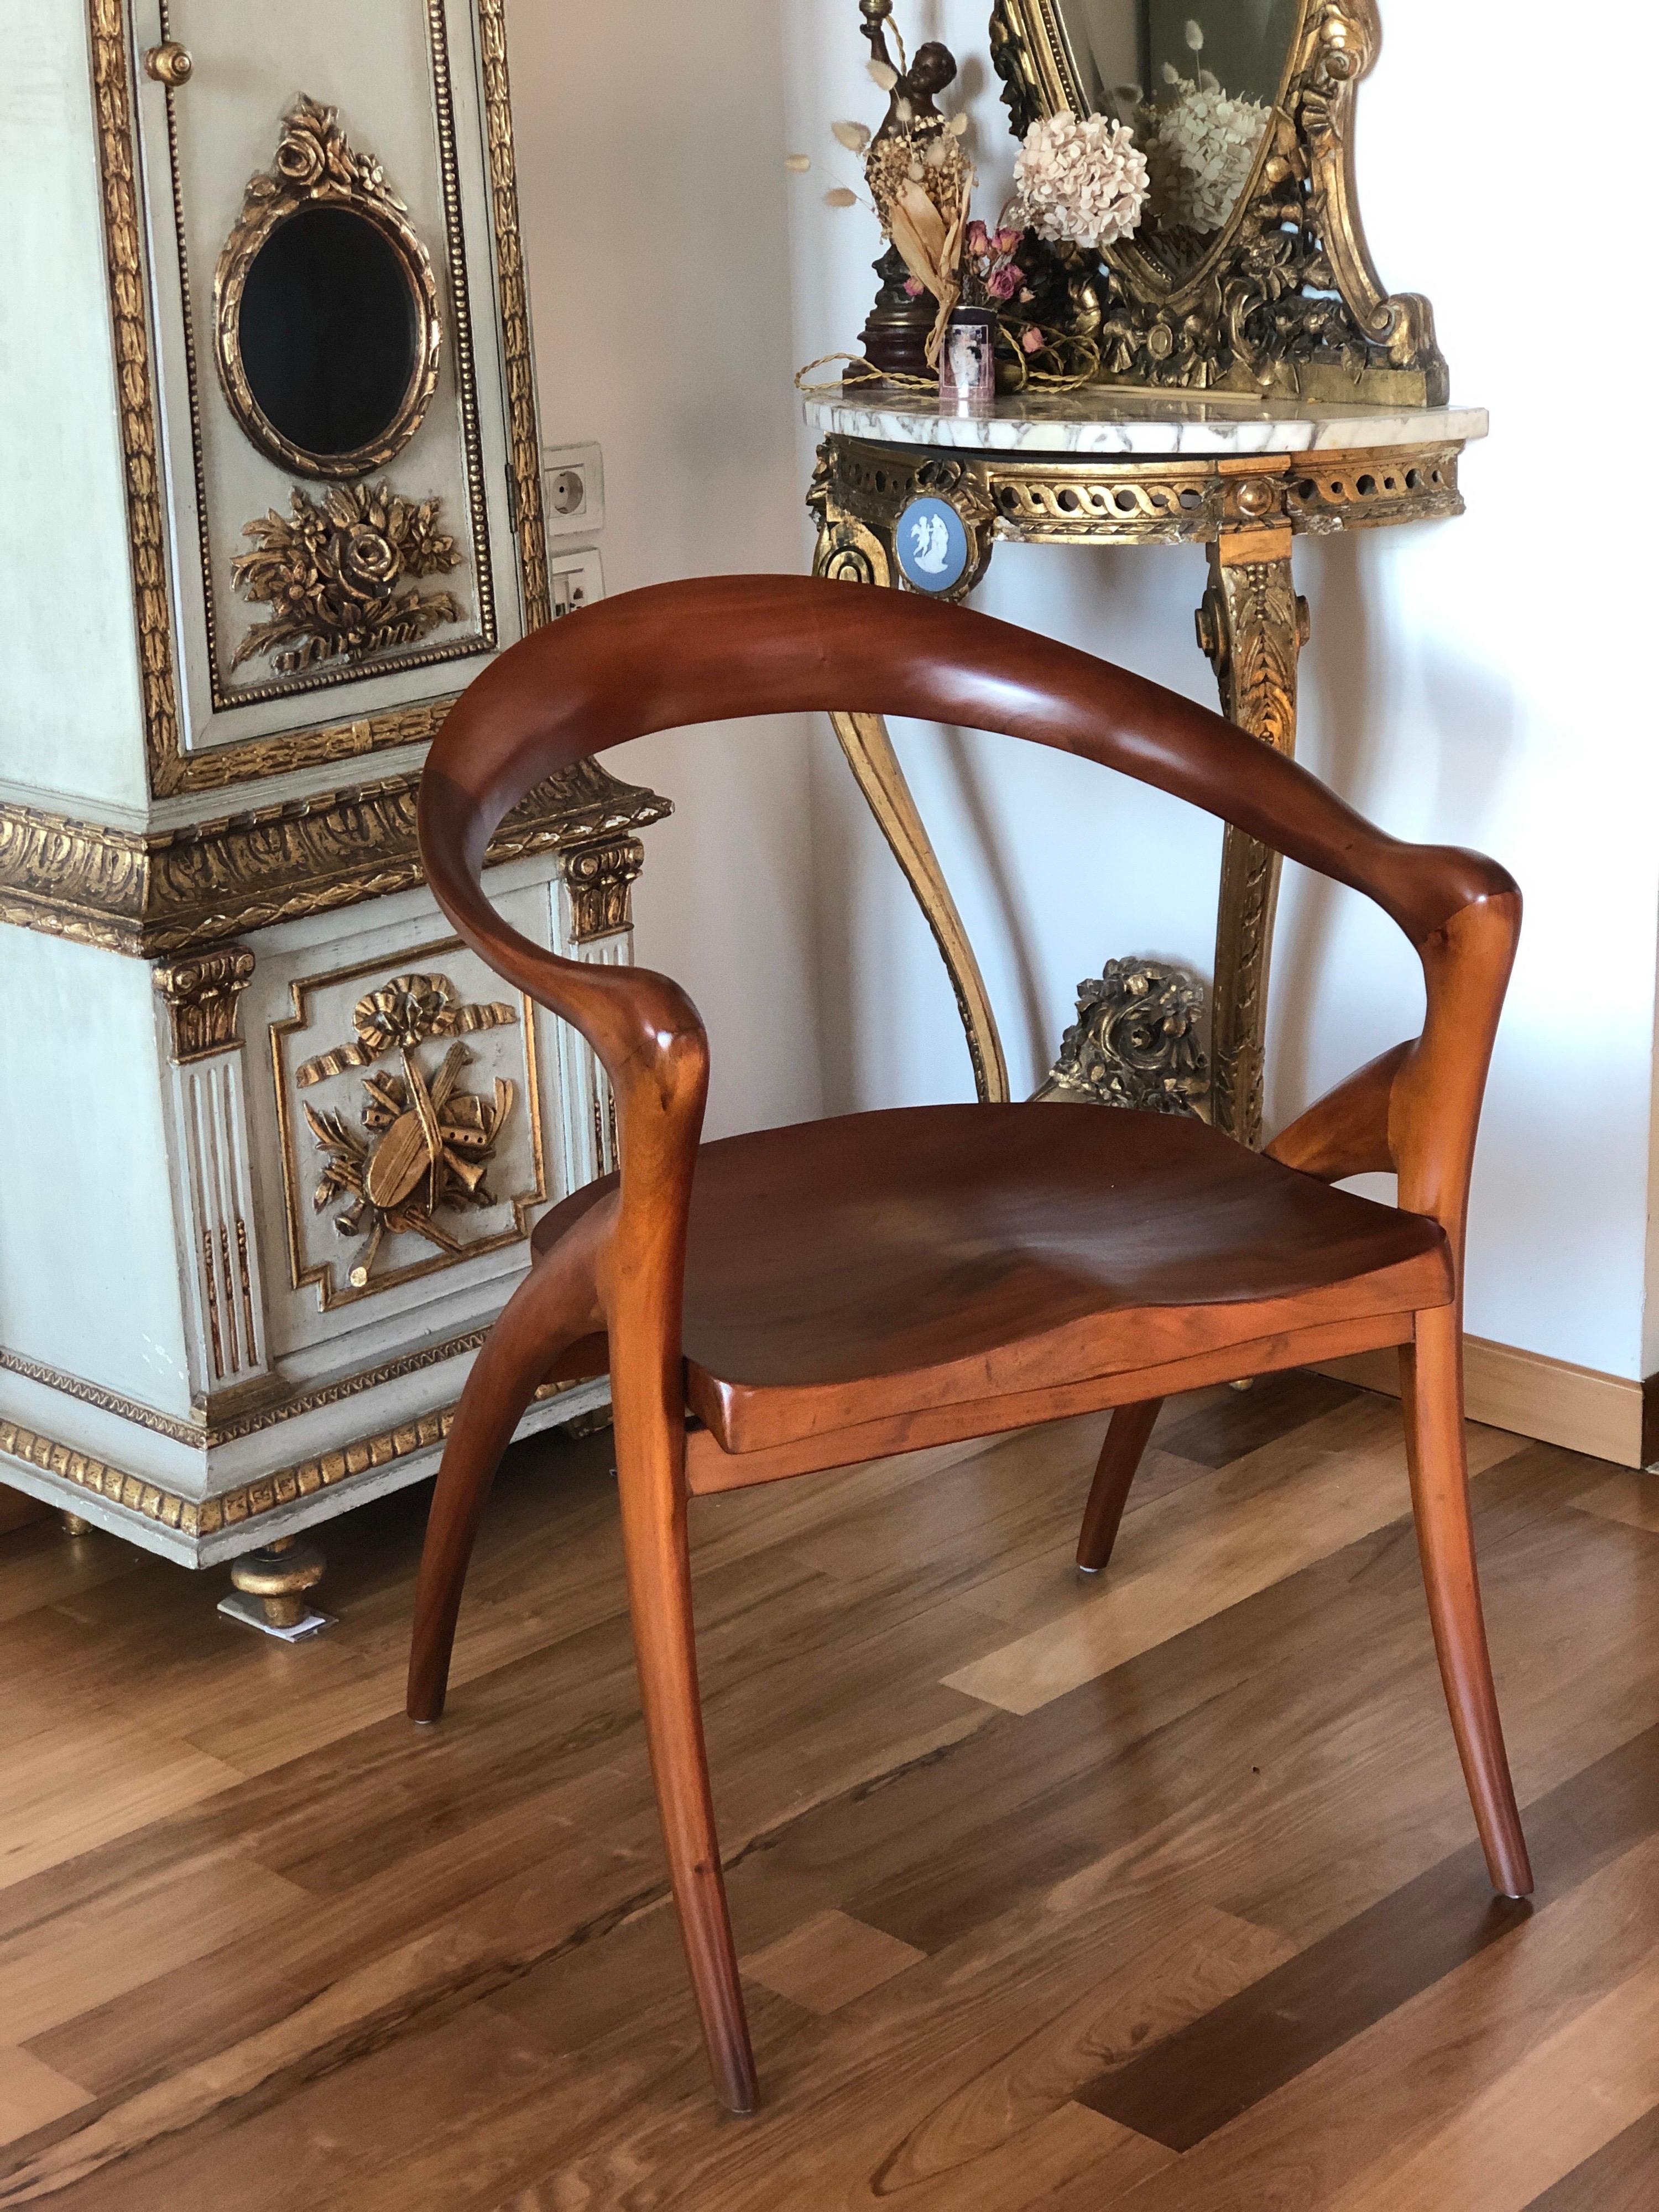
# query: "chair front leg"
x,y
650,1479
1127,1438
1432,1387
555,1304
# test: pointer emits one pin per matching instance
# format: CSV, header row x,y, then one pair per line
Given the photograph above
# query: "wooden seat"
x,y
798,1299
941,1254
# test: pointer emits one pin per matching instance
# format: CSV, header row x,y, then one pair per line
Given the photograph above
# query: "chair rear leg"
x,y
555,1304
1431,1380
650,1469
1119,1458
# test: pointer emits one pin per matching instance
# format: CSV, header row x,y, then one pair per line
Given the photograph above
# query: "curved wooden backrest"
x,y
728,647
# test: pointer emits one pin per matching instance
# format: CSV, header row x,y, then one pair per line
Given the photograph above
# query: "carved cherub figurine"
x,y
914,143
919,181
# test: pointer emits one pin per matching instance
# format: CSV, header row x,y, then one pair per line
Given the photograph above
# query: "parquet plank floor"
x,y
1052,1896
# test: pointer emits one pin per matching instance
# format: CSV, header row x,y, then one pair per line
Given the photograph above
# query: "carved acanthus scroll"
x,y
1135,1043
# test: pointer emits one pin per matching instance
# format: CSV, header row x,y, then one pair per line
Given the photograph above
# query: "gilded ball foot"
x,y
272,1586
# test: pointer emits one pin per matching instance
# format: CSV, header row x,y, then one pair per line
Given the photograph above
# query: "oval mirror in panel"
x,y
329,331
1196,86
326,309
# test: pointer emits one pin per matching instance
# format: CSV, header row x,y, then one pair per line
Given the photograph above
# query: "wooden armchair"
x,y
803,1297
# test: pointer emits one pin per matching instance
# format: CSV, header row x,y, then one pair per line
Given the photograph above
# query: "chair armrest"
x,y
637,1021
1416,1108
1346,1132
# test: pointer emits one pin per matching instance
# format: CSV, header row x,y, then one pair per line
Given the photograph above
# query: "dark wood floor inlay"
x,y
1622,2177
1215,1431
1236,2055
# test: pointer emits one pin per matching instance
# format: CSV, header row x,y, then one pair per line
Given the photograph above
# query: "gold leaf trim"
x,y
160,892
529,521
130,322
204,1435
1286,298
207,1517
339,576
106,1402
315,165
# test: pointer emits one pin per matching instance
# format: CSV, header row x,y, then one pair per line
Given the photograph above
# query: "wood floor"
x,y
1160,1891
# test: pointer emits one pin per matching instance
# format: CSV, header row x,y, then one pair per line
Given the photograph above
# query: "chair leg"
x,y
1120,1457
555,1304
650,1470
1431,1380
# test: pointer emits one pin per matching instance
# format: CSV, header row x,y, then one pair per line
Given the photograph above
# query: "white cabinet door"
x,y
344,388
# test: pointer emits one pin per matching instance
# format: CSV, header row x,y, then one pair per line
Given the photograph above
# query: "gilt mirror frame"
x,y
1286,301
315,165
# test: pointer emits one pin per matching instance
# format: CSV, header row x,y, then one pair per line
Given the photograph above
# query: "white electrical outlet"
x,y
573,490
575,579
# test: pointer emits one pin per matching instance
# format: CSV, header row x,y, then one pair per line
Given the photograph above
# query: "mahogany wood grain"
x,y
960,1252
711,1468
812,1294
1127,1438
1432,1378
558,1299
1346,1132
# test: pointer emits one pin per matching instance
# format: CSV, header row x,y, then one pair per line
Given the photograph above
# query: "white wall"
x,y
654,208
1485,681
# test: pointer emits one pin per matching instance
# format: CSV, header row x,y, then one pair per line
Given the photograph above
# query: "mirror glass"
x,y
1195,81
329,331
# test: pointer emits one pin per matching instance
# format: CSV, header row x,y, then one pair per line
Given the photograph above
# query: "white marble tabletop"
x,y
1107,419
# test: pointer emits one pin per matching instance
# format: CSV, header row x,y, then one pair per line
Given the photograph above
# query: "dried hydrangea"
x,y
1201,149
1081,182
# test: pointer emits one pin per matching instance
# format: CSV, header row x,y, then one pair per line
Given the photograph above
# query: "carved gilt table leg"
x,y
1252,625
849,552
870,754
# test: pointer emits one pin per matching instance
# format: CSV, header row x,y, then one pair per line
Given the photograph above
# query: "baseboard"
x,y
1604,1416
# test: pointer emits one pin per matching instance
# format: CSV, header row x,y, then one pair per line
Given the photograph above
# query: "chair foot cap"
x,y
1082,1570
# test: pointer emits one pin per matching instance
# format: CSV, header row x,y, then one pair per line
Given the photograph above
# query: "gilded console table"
x,y
910,495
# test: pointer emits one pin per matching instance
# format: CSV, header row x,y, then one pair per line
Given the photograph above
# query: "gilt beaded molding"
x,y
208,1430
198,1517
1287,299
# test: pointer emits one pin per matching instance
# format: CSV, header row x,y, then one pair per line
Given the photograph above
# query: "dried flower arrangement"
x,y
918,174
1201,145
1182,156
1077,182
